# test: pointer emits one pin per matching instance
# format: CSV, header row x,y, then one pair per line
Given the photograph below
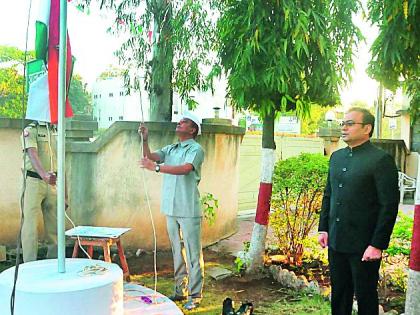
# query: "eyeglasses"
x,y
349,123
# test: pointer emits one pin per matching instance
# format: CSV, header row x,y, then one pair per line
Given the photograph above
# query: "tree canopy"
x,y
396,50
281,55
11,88
170,41
79,97
12,80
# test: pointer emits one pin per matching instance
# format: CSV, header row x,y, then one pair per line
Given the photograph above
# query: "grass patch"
x,y
299,305
268,301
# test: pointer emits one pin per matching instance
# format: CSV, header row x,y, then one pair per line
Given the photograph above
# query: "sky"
x,y
93,47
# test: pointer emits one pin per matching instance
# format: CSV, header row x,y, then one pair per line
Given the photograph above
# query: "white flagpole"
x,y
61,138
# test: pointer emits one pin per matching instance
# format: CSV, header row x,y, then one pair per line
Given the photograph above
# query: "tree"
x,y
396,50
281,55
111,72
395,57
178,36
14,55
11,93
11,81
79,97
310,124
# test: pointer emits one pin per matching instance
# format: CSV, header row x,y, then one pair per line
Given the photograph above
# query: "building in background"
x,y
110,103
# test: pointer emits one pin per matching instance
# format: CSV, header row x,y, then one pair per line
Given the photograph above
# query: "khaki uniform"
x,y
40,198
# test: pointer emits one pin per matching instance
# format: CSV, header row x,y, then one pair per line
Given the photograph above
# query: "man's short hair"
x,y
368,118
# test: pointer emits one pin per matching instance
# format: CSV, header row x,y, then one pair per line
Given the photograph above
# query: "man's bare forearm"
x,y
36,163
146,152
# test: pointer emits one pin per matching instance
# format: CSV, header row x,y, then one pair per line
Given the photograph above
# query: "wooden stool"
x,y
103,237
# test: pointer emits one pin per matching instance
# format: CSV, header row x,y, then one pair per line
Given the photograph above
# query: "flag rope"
x,y
148,202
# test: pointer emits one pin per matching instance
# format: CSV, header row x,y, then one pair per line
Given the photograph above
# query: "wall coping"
x,y
119,126
166,127
13,123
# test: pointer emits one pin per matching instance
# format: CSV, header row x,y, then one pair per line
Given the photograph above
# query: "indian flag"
x,y
42,78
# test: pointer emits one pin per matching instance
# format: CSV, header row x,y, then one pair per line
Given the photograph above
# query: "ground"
x,y
267,296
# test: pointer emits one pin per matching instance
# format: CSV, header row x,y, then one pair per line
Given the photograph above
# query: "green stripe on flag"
x,y
41,41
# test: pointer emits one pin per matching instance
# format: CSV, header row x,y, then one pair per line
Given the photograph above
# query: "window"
x,y
121,118
109,118
95,96
121,93
111,94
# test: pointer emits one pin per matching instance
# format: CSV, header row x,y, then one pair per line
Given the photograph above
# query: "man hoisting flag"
x,y
42,73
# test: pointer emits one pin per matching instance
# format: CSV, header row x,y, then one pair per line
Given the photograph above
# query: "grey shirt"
x,y
180,195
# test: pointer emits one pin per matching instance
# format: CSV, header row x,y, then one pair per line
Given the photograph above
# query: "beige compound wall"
x,y
107,186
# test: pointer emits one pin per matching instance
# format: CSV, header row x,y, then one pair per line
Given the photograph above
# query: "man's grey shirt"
x,y
180,195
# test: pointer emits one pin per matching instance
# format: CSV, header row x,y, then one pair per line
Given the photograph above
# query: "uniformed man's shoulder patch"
x,y
28,129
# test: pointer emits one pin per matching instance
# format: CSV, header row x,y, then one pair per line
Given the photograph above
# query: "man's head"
x,y
357,126
189,126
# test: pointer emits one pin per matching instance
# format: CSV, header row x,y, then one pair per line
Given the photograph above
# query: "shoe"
x,y
177,298
190,305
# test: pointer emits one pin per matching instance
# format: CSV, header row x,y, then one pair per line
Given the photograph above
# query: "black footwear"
x,y
177,298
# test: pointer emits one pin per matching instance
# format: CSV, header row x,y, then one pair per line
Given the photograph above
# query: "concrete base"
x,y
42,290
139,300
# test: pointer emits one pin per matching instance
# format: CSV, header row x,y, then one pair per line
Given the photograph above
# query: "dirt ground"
x,y
238,288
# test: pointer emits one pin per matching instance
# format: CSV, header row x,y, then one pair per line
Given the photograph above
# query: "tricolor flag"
x,y
42,73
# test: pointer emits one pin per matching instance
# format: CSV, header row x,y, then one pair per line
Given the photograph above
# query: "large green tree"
x,y
11,81
396,51
281,55
12,88
395,63
170,42
79,97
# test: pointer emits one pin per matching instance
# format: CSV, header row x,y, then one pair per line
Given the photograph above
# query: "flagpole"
x,y
61,137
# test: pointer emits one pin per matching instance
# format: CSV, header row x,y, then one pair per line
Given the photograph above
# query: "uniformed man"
x,y
39,140
181,205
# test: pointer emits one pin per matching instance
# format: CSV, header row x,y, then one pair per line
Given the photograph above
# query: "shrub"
x,y
298,186
209,204
401,236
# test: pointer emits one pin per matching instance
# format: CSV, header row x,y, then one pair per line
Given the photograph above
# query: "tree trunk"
x,y
412,301
256,253
162,62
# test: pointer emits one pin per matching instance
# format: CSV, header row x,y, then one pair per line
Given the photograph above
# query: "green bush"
x,y
209,205
298,186
401,236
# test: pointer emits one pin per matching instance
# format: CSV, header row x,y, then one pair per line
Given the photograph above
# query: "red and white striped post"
x,y
412,302
259,232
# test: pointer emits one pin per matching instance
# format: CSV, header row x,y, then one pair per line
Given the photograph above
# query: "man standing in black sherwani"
x,y
358,214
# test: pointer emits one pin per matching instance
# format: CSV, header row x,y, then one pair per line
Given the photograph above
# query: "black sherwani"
x,y
359,209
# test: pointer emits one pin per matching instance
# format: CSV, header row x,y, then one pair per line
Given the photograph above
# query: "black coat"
x,y
360,202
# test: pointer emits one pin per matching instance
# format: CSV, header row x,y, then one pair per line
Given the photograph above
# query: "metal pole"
x,y
61,137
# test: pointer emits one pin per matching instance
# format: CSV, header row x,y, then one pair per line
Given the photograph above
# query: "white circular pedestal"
x,y
42,290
